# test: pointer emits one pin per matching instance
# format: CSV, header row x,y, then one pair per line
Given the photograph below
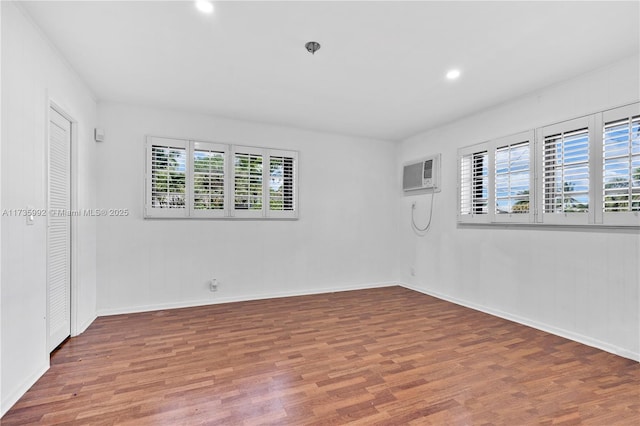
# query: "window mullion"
x,y
189,195
266,182
491,182
166,174
228,181
536,187
596,129
579,173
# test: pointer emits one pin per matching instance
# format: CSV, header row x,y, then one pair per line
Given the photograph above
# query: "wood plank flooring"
x,y
386,356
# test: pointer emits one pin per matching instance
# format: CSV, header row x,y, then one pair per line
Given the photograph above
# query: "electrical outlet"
x,y
213,285
412,271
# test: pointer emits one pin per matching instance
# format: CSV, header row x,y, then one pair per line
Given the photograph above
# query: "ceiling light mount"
x,y
453,74
312,47
204,6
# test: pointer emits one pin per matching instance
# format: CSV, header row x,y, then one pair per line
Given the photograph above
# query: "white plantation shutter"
x,y
208,183
584,171
474,185
565,172
248,182
513,178
166,177
621,166
209,180
282,184
59,231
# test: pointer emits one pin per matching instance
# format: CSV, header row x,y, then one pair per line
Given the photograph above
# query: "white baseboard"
x,y
241,298
9,400
586,340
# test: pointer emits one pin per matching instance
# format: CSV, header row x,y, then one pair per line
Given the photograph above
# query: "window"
x,y
264,183
474,184
584,171
208,189
167,180
621,165
196,179
248,182
513,178
281,184
495,181
565,172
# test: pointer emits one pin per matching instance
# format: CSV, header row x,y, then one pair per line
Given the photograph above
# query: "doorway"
x,y
59,215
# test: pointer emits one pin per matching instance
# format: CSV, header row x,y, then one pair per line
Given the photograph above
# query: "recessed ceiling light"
x,y
453,74
204,6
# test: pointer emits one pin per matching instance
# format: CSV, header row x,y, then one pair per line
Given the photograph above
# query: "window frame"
x,y
463,153
628,218
595,164
229,152
155,212
491,148
567,218
242,213
527,137
282,214
207,146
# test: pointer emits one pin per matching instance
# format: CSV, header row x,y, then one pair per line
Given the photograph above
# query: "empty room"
x,y
320,212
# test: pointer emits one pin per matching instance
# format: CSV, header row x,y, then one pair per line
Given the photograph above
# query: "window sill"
x,y
153,218
597,227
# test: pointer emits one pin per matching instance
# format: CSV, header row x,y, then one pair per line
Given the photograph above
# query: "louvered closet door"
x,y
59,231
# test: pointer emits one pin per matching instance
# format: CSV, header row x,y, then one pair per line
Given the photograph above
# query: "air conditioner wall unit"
x,y
422,174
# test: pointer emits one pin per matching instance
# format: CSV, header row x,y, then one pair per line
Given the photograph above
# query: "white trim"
x,y
207,146
229,211
74,290
281,214
561,218
149,210
241,213
465,152
596,170
629,218
594,216
256,296
576,337
527,137
621,112
75,285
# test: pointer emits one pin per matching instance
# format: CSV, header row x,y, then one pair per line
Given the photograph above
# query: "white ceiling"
x,y
380,72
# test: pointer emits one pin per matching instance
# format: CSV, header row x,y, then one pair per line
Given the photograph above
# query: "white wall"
x,y
353,229
583,284
1,411
345,236
32,74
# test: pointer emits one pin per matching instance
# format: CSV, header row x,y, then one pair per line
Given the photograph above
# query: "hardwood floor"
x,y
386,356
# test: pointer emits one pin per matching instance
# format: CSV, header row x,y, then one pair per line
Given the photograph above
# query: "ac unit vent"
x,y
422,174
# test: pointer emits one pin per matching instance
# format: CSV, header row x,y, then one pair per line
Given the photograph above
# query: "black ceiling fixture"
x,y
312,47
